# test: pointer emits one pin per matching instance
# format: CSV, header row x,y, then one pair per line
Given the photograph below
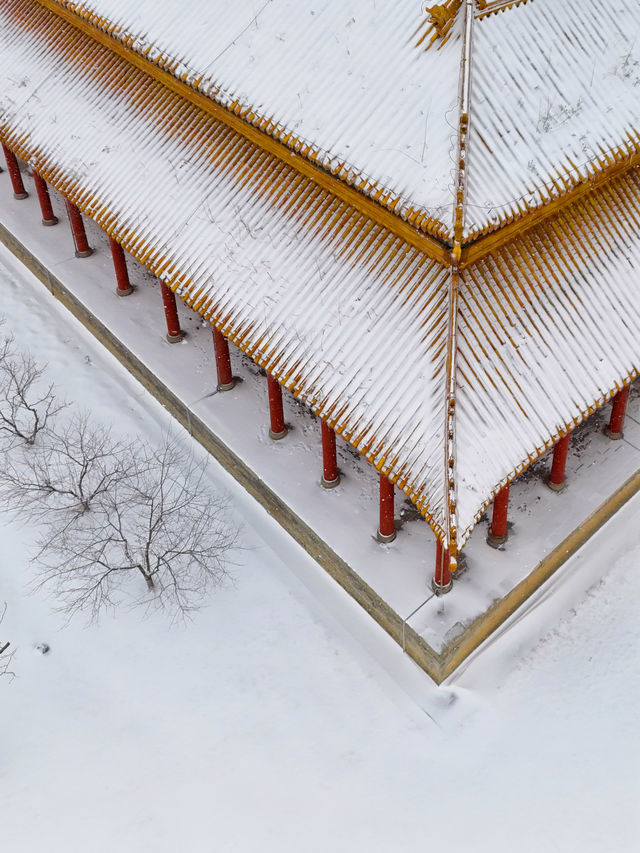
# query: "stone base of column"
x,y
276,436
175,339
439,589
330,484
126,291
228,386
85,254
556,487
614,436
385,537
496,541
48,222
20,196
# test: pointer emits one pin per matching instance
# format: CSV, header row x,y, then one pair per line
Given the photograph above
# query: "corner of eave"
x,y
604,169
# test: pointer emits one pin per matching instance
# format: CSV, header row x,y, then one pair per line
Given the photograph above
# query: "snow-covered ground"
x,y
282,718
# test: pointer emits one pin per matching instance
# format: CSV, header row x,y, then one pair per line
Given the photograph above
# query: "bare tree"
x,y
5,656
74,466
27,404
160,524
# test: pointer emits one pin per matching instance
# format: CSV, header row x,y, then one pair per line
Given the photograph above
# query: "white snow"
x,y
312,69
333,306
554,88
401,572
283,719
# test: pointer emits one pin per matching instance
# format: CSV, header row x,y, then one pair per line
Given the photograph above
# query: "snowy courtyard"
x,y
325,538
281,717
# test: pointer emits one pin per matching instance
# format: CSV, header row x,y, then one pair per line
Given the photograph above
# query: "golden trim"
x,y
492,7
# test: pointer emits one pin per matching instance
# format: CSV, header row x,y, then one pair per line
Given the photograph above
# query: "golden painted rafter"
x,y
490,7
617,164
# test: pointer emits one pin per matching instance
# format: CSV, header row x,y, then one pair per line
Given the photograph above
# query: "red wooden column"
x,y
498,532
387,528
330,473
223,361
441,582
13,168
174,332
278,428
618,411
556,479
83,250
42,190
124,287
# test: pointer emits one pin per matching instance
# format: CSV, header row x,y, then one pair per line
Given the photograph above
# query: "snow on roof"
x,y
303,283
311,70
342,311
549,329
555,88
362,85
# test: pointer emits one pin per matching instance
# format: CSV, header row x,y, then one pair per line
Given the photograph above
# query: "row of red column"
x,y
277,429
81,244
498,531
499,527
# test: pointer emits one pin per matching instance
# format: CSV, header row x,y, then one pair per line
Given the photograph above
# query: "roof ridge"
x,y
460,189
492,7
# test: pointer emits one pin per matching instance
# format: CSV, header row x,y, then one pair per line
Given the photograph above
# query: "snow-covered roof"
x,y
340,309
555,87
363,89
549,329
